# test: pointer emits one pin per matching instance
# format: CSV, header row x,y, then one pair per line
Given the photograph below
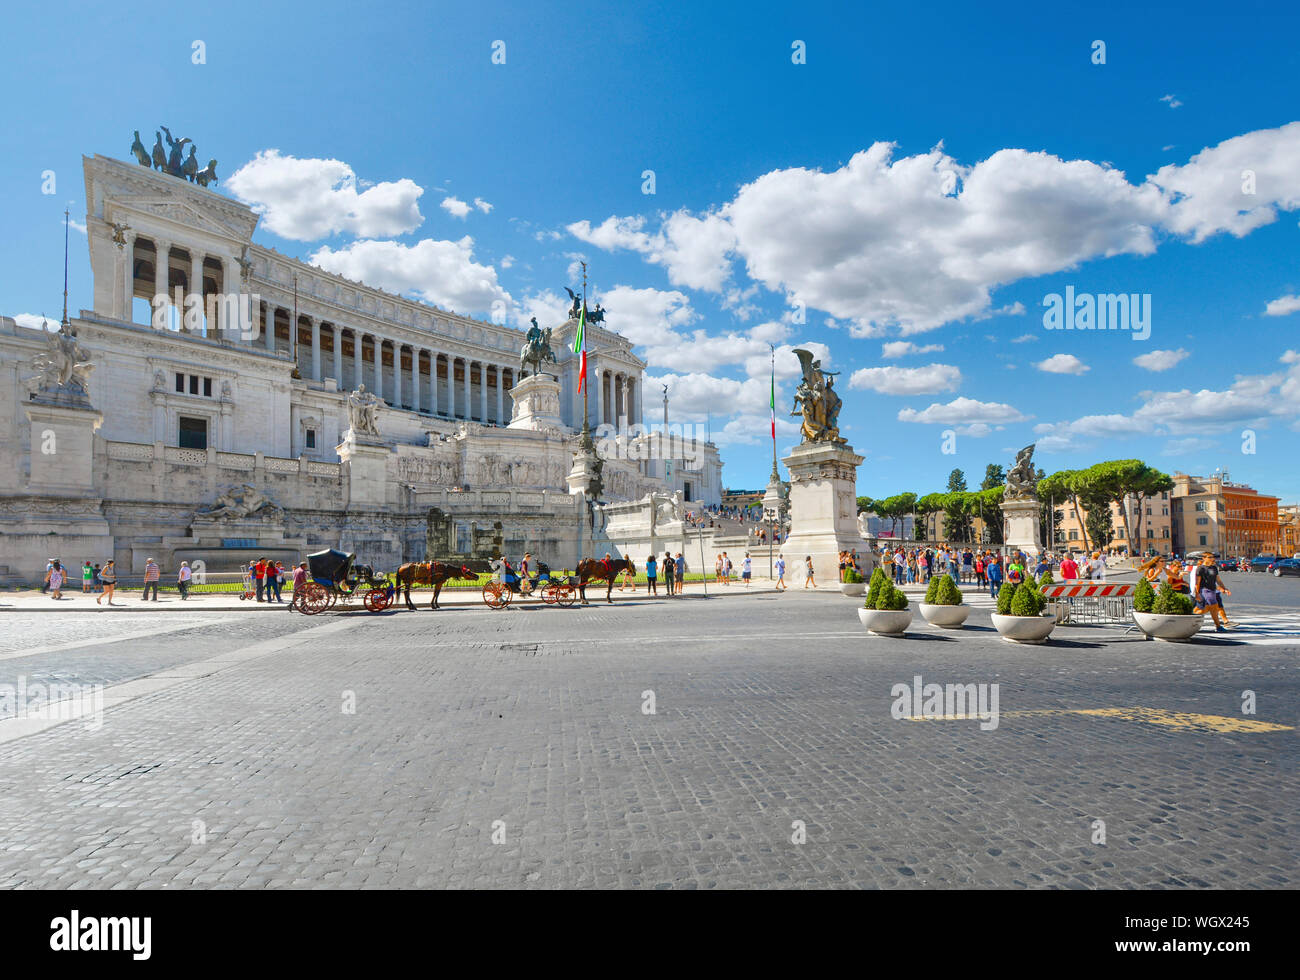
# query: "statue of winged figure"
x,y
817,401
1021,484
64,366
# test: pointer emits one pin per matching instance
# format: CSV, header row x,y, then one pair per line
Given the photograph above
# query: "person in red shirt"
x,y
259,573
299,585
1068,568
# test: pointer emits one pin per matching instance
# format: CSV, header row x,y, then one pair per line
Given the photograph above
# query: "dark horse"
x,y
433,573
598,569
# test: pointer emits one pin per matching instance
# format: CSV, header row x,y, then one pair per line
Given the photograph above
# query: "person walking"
x,y
55,580
274,580
651,575
1205,590
746,569
108,576
780,574
183,576
150,579
299,586
680,564
98,581
669,567
45,582
808,572
979,570
994,572
726,569
87,578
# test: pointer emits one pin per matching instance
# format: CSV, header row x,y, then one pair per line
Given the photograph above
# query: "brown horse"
x,y
599,569
433,573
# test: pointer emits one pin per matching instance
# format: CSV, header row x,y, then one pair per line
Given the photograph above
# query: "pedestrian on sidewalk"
x,y
150,579
299,585
274,579
107,575
680,568
259,574
651,575
994,571
55,581
780,573
669,568
746,569
979,570
87,578
45,582
98,581
183,576
808,572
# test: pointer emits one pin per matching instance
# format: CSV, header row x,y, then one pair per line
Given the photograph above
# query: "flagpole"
x,y
66,218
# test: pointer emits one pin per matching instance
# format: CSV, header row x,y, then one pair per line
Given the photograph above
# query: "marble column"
x,y
128,250
468,413
162,257
315,349
501,390
433,382
195,279
482,392
336,332
358,367
379,366
397,374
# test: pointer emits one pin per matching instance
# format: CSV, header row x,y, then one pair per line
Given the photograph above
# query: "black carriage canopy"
x,y
330,567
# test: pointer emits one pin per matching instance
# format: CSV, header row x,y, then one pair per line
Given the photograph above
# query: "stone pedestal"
x,y
366,460
536,403
1020,518
823,509
62,448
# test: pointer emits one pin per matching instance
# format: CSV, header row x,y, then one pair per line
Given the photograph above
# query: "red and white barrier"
x,y
1097,591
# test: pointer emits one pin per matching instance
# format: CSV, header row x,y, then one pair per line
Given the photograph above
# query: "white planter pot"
x,y
853,588
1024,629
946,617
885,622
1171,629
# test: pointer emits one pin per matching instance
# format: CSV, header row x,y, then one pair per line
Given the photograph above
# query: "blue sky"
x,y
927,177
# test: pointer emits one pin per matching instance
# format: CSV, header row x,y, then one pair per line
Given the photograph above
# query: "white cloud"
x,y
648,317
1173,101
455,207
1062,364
1206,196
886,241
893,380
307,199
33,321
963,411
1282,306
901,348
1160,360
482,205
550,309
440,272
694,249
507,261
1025,338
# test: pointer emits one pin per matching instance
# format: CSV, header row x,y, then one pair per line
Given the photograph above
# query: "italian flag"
x,y
580,345
772,404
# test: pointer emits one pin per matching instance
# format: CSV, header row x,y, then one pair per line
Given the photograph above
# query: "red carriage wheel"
x,y
551,594
568,595
496,595
377,600
315,599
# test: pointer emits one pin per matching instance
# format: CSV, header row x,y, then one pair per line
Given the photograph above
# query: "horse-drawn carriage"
x,y
334,579
507,583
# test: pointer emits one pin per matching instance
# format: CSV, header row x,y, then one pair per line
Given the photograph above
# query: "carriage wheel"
x,y
315,599
568,595
496,595
377,600
551,594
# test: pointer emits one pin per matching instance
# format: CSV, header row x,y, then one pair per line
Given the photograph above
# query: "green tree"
x,y
994,476
956,481
866,505
957,515
987,506
1062,486
931,503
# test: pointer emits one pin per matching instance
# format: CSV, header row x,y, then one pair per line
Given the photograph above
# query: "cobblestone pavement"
x,y
515,749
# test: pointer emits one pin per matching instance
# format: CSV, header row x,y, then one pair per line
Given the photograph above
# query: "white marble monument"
x,y
823,507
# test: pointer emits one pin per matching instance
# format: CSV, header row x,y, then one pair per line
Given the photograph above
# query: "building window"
x,y
1151,532
311,439
1203,541
1074,535
1202,520
1200,505
207,393
686,492
193,433
1164,511
180,383
1166,533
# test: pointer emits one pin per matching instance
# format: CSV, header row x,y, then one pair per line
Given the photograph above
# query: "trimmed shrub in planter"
x,y
1169,618
1023,621
1046,579
1144,597
943,606
854,584
885,611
